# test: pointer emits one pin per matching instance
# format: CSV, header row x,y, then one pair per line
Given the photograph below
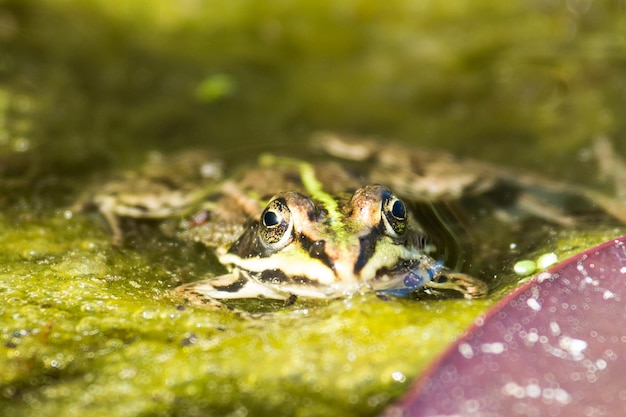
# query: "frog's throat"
x,y
299,265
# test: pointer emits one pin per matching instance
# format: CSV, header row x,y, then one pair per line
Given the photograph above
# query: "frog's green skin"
x,y
290,228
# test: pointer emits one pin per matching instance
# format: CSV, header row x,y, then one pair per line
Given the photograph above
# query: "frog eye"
x,y
276,224
394,216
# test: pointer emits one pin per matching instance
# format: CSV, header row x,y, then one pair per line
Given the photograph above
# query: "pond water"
x,y
92,87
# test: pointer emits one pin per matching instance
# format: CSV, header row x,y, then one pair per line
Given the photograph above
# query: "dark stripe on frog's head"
x,y
367,248
369,242
316,249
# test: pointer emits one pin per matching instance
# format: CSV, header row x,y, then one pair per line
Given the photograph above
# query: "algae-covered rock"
x,y
90,329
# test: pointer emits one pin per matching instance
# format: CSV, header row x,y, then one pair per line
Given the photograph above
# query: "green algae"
x,y
88,329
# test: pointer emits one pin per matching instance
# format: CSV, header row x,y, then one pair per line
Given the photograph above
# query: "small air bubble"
x,y
398,376
525,267
546,260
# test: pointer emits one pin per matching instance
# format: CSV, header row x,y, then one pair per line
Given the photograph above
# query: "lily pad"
x,y
553,347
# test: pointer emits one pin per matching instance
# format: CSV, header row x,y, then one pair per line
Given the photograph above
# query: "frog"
x,y
333,223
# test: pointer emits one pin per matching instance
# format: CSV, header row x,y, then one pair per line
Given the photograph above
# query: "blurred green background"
x,y
90,86
522,80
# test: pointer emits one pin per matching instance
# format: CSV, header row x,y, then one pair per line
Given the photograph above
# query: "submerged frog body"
x,y
329,234
329,247
319,228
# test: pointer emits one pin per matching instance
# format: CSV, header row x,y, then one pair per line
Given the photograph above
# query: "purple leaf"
x,y
554,347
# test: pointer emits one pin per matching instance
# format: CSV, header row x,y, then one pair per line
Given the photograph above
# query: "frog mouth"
x,y
397,268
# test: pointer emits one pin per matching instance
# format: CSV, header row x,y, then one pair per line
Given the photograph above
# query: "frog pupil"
x,y
398,210
270,219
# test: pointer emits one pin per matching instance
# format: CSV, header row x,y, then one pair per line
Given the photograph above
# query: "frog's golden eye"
x,y
276,224
394,216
